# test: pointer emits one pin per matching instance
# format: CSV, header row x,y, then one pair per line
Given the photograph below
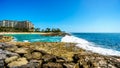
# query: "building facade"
x,y
16,24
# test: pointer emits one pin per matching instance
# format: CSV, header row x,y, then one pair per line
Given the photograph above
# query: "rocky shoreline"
x,y
52,55
6,38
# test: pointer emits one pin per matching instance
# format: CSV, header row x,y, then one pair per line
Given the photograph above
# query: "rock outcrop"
x,y
52,55
5,38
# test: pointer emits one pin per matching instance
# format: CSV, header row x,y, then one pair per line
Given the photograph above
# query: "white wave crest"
x,y
33,40
84,44
14,39
25,41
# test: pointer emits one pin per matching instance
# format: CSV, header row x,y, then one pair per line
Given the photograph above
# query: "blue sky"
x,y
68,15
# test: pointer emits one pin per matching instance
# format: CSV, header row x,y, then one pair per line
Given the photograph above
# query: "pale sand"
x,y
2,33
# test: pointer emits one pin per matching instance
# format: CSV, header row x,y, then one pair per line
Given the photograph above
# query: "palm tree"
x,y
37,29
47,30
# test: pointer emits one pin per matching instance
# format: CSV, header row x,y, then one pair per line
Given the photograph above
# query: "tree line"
x,y
48,30
13,29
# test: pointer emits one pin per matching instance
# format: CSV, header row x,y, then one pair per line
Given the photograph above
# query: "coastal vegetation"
x,y
13,29
48,30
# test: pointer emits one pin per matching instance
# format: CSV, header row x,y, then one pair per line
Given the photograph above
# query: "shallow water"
x,y
35,38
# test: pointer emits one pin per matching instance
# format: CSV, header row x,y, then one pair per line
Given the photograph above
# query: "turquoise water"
x,y
35,38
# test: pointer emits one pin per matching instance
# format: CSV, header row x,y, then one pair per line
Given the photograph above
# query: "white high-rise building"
x,y
16,24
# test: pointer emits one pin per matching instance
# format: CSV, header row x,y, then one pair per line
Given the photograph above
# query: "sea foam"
x,y
84,44
25,41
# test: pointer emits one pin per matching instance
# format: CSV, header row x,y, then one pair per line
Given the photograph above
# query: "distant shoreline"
x,y
2,33
41,33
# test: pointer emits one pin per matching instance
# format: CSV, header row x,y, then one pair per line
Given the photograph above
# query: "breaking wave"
x,y
84,44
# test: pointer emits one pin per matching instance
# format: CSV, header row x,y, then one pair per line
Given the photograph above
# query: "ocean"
x,y
102,43
105,40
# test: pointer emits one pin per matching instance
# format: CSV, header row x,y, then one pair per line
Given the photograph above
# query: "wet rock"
x,y
52,65
36,55
18,62
10,59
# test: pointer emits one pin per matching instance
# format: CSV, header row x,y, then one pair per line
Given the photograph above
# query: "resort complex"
x,y
16,24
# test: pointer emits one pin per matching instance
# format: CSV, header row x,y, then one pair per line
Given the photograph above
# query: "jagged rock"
x,y
77,65
36,55
4,54
9,54
32,64
6,38
69,65
103,63
11,48
44,55
10,59
22,50
28,56
52,65
60,61
41,51
36,61
18,62
111,66
49,58
2,45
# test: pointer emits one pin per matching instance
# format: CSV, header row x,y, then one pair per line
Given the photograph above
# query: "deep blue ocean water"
x,y
104,40
35,38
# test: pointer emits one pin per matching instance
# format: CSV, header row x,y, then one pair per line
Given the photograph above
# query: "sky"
x,y
68,15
